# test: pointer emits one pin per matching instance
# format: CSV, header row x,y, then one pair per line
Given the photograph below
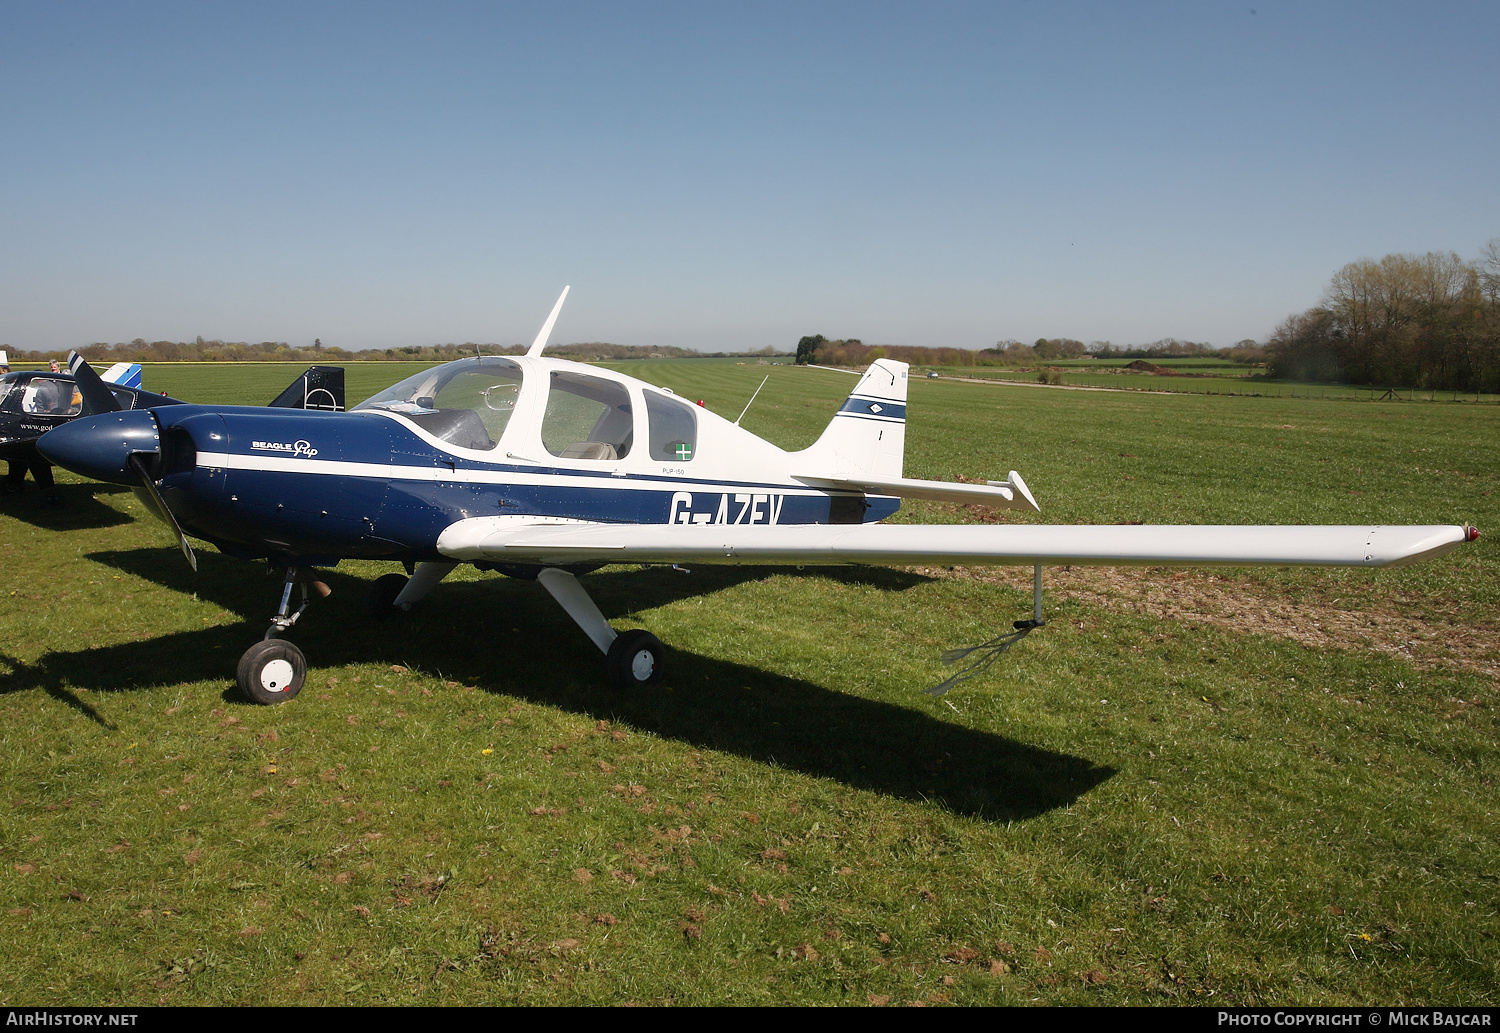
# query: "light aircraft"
x,y
545,469
33,403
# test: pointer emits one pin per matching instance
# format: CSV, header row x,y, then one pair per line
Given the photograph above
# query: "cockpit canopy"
x,y
39,395
469,404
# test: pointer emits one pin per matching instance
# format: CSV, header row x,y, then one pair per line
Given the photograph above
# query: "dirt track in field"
x,y
1463,642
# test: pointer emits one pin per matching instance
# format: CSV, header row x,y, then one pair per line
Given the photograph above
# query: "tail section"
x,y
867,436
96,397
321,387
126,374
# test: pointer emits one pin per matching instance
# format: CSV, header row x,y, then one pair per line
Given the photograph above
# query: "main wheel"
x,y
635,660
271,671
381,600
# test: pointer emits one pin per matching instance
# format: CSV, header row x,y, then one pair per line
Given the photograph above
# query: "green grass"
x,y
1121,811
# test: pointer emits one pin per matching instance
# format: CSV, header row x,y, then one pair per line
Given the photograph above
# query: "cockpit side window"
x,y
47,397
587,418
466,403
674,428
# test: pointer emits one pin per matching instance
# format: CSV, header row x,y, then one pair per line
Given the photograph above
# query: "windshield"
x,y
467,403
10,393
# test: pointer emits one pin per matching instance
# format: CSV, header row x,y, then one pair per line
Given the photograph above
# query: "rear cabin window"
x,y
587,418
674,428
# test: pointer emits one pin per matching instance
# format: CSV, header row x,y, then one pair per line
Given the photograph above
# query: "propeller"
x,y
97,397
159,507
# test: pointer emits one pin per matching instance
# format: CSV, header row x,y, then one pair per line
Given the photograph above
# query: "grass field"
x,y
1209,377
1235,787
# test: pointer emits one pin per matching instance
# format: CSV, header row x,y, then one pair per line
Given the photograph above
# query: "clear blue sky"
x,y
726,175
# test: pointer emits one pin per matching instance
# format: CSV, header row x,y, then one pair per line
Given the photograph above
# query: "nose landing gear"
x,y
273,670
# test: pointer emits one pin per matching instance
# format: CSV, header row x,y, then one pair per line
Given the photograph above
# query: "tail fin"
x,y
321,387
96,397
867,436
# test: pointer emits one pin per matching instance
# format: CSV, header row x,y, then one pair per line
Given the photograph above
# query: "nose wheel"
x,y
271,671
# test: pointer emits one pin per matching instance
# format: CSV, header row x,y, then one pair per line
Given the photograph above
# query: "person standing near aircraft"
x,y
15,480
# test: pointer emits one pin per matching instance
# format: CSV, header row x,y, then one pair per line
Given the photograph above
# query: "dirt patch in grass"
x,y
1458,641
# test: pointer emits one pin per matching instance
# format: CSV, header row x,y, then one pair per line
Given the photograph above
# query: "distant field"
x,y
1215,378
1268,787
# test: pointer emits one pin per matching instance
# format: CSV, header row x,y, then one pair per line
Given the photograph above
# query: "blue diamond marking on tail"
x,y
869,408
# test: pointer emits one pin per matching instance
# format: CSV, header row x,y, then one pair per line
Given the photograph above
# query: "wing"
x,y
530,540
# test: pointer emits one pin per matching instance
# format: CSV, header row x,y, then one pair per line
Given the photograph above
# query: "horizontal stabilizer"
x,y
126,374
1011,493
510,540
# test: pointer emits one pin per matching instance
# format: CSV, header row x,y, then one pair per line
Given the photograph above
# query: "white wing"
x,y
533,540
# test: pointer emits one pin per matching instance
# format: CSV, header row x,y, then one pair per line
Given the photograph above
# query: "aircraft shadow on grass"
x,y
531,650
80,510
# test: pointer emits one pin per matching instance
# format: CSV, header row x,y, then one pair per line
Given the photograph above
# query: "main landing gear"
x,y
273,670
633,660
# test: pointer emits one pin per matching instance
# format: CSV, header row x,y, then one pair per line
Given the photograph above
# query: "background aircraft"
x,y
32,403
545,469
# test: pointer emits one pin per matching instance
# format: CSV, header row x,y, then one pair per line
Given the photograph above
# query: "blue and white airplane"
x,y
545,469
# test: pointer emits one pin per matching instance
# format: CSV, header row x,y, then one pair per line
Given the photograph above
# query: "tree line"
x,y
1410,321
818,350
1421,321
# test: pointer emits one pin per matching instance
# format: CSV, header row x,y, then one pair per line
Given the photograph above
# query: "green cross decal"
x,y
684,450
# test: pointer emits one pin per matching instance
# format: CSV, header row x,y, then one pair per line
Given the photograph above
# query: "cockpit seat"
x,y
460,427
590,450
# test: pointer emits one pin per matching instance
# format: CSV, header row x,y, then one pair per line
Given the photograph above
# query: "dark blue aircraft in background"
x,y
32,403
544,469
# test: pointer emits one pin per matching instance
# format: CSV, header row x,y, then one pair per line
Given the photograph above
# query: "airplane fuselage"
x,y
384,481
259,484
